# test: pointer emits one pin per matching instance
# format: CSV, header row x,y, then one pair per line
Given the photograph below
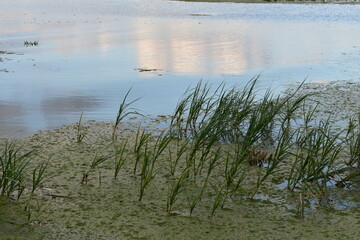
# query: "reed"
x,y
284,139
207,118
124,111
178,118
13,165
213,162
80,130
149,159
220,198
162,141
281,152
147,170
181,148
120,158
206,139
315,159
97,160
235,169
352,141
38,175
193,111
176,188
353,134
140,141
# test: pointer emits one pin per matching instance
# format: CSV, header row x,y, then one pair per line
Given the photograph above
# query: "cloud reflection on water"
x,y
85,62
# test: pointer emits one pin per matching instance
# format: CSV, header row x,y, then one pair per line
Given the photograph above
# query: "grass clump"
x,y
96,162
80,130
121,156
15,171
13,166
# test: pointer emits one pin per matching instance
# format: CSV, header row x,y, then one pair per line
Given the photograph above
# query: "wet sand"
x,y
65,209
108,208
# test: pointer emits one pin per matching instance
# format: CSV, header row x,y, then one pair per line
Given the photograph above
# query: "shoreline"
x,y
104,207
111,209
332,95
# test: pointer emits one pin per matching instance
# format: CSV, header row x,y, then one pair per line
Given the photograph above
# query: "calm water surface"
x,y
91,53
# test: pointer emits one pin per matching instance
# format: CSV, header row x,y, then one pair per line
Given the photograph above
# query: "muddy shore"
x,y
108,208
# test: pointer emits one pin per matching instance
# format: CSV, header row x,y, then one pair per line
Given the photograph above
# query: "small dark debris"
x,y
200,15
146,69
5,52
30,43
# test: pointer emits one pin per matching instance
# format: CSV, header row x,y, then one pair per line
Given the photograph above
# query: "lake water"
x,y
91,52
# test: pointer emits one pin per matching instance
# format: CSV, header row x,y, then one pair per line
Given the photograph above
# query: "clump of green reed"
x,y
214,158
80,130
353,134
284,138
353,144
258,123
193,110
141,140
202,144
314,162
181,148
149,159
199,154
13,164
38,175
234,173
208,118
147,170
203,117
176,188
97,160
124,111
200,106
220,199
218,128
191,105
120,158
281,152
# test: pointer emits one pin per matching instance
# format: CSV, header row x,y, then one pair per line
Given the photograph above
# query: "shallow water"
x,y
89,55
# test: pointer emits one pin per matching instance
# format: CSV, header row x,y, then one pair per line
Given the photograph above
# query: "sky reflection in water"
x,y
89,56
